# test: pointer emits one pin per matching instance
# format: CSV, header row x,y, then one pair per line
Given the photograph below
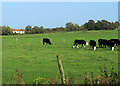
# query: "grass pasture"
x,y
34,59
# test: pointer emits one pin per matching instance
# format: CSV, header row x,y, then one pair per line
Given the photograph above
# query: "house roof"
x,y
18,30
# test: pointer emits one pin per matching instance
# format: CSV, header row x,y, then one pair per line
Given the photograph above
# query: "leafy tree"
x,y
112,26
55,29
6,30
117,24
69,26
35,29
41,29
76,27
90,25
9,30
86,26
105,24
47,30
61,29
82,27
58,29
98,25
28,29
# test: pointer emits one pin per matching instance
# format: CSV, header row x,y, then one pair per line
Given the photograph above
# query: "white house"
x,y
20,31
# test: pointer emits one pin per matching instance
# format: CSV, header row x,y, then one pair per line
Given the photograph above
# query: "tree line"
x,y
90,25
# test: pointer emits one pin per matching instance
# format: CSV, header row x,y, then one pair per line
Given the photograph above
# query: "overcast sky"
x,y
56,14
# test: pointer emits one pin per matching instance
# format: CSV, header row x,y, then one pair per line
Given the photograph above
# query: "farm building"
x,y
20,31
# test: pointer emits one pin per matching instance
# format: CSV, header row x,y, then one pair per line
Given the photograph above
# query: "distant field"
x,y
34,59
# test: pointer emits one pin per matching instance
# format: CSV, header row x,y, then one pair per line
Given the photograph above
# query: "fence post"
x,y
61,69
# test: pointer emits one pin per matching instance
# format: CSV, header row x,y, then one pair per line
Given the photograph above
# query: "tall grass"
x,y
105,78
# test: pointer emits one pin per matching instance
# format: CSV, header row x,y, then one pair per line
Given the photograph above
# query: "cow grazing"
x,y
102,42
80,42
111,44
116,41
93,44
47,41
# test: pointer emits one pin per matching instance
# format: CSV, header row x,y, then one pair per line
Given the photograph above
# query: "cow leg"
x,y
112,48
99,45
83,46
77,46
87,43
94,48
73,46
43,43
105,46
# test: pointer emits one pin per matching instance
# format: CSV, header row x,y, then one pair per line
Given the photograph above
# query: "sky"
x,y
119,10
56,14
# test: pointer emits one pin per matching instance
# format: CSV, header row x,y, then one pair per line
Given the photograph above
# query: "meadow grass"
x,y
33,59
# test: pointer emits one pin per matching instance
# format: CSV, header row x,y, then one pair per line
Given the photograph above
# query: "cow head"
x,y
50,43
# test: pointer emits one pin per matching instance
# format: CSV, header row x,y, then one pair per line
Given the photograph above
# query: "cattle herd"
x,y
103,43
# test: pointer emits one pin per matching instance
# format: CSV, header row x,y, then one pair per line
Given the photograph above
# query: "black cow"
x,y
102,42
78,42
111,44
116,41
93,44
119,43
47,41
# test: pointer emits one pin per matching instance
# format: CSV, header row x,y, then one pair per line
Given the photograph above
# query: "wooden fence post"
x,y
61,69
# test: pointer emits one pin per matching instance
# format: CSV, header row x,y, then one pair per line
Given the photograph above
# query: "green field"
x,y
33,59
